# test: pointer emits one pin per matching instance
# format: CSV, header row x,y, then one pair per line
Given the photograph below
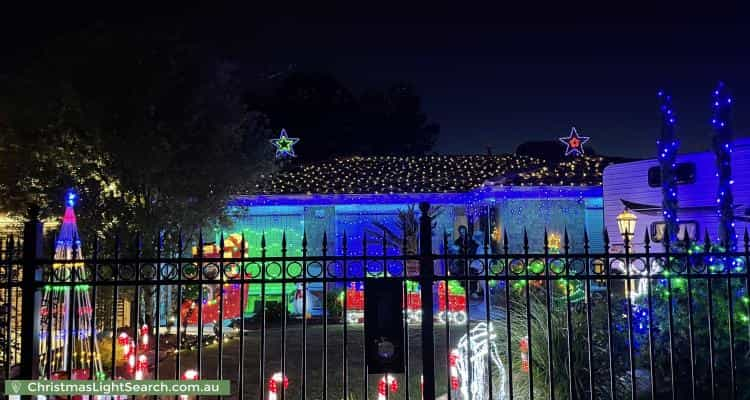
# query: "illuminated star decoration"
x,y
284,145
574,143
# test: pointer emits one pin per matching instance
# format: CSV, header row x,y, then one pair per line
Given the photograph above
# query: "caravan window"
x,y
691,227
685,174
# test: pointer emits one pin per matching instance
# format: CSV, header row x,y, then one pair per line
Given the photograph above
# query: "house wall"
x,y
363,223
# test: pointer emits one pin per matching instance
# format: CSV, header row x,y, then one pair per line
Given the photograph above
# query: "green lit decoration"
x,y
284,145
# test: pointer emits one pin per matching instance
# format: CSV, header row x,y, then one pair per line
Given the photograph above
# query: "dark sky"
x,y
489,76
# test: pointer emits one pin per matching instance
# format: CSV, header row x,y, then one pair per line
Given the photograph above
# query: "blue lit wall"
x,y
486,212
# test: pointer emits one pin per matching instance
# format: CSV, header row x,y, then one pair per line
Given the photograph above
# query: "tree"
x,y
148,126
668,146
332,121
722,145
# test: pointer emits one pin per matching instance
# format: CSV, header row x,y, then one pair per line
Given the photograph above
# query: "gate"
x,y
512,325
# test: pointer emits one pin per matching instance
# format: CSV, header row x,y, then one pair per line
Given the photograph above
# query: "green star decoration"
x,y
284,145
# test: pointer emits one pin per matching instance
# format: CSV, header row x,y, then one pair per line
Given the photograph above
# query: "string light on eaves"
x,y
429,174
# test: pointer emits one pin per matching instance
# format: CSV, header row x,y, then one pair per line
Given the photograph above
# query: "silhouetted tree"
x,y
332,121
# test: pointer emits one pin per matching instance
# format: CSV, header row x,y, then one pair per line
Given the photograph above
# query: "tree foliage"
x,y
149,127
331,120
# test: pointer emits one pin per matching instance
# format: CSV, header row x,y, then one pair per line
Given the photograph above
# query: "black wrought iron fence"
x,y
555,324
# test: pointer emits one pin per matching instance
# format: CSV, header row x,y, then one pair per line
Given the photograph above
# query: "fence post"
x,y
427,272
31,298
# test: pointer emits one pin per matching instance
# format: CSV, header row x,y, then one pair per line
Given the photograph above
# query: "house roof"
x,y
429,174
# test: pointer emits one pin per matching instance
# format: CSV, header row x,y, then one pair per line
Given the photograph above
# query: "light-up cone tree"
x,y
68,345
722,145
668,145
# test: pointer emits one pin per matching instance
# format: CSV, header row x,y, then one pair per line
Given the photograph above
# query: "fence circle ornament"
x,y
677,265
273,270
356,270
105,272
536,266
395,268
314,269
517,266
497,267
334,269
638,266
148,271
374,268
89,272
557,266
252,270
294,270
169,271
476,267
211,271
189,271
231,270
577,266
617,266
127,272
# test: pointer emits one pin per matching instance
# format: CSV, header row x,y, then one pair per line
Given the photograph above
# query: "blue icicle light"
x,y
668,145
722,145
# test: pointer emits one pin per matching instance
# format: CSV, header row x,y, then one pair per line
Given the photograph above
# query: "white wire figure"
x,y
472,352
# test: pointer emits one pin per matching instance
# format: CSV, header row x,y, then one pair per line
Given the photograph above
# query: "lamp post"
x,y
626,224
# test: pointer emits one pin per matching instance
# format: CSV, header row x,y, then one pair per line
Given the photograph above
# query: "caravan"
x,y
637,187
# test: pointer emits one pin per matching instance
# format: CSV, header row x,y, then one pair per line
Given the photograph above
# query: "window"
x,y
685,174
691,227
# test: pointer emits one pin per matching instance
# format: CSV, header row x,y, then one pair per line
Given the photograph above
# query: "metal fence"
x,y
496,326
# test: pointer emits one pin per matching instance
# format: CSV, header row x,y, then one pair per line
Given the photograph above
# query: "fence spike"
x,y
221,243
404,245
747,238
486,240
686,239
385,242
242,244
283,241
95,248
75,245
505,240
159,239
706,241
585,240
525,240
304,240
627,241
180,246
606,239
263,241
646,239
344,243
364,243
200,242
445,241
546,240
325,243
117,244
566,239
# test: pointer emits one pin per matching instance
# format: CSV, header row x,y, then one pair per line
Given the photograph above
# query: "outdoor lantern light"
x,y
626,224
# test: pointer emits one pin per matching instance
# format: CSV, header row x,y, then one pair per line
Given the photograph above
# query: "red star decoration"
x,y
574,143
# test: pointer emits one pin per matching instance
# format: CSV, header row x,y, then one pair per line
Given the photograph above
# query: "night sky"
x,y
494,77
